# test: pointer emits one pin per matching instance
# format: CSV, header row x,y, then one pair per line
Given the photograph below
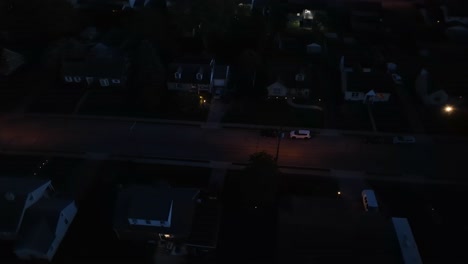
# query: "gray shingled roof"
x,y
95,67
364,82
220,72
40,221
14,192
152,200
189,73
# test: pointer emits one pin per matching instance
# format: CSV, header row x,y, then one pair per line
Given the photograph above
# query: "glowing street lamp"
x,y
448,109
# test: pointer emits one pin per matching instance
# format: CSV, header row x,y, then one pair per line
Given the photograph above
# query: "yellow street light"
x,y
339,193
448,109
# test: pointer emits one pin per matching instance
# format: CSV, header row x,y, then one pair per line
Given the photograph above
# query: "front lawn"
x,y
439,122
390,117
274,113
179,106
353,116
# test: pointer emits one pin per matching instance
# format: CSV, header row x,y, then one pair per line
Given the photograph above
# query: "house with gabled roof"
x,y
44,226
99,66
148,213
175,217
191,75
10,61
295,80
17,195
362,79
35,220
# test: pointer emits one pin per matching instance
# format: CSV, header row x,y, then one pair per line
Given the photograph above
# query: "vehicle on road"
x,y
404,140
299,134
369,201
269,133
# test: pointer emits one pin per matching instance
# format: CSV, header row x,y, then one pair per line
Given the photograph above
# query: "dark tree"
x,y
42,19
259,183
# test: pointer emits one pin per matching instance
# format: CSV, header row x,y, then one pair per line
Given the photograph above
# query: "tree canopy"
x,y
44,18
259,181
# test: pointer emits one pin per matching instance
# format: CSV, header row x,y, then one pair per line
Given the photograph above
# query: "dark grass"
x,y
437,232
353,116
273,112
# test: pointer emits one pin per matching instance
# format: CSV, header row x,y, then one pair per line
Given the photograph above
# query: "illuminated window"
x,y
115,81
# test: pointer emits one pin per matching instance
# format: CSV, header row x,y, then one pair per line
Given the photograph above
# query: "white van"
x,y
369,201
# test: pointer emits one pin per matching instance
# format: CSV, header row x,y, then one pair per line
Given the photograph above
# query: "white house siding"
x,y
33,197
360,96
68,213
37,194
219,82
277,90
179,86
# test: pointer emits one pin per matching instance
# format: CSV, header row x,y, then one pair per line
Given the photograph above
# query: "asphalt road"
x,y
233,145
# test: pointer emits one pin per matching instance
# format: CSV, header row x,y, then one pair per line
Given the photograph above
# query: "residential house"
x,y
44,226
221,74
192,75
171,216
455,12
10,61
254,4
443,84
17,195
362,81
102,66
292,79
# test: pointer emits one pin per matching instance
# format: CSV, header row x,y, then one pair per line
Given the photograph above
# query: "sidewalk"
x,y
216,114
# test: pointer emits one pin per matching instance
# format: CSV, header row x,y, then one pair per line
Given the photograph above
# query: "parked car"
x,y
404,140
269,133
300,134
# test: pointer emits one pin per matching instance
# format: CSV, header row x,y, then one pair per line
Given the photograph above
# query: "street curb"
x,y
319,131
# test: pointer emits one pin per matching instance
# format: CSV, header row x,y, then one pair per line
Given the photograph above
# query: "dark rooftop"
x,y
40,223
285,72
366,81
182,208
14,192
188,72
95,67
326,231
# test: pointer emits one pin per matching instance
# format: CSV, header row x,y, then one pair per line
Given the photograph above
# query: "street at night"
x,y
233,131
71,135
